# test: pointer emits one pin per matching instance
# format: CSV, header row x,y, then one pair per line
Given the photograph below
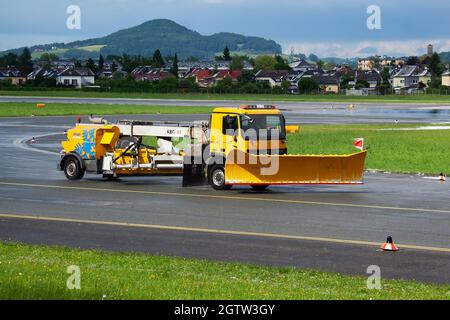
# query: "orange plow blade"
x,y
244,168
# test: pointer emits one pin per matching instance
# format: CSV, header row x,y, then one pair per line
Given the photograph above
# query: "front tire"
x,y
217,178
73,169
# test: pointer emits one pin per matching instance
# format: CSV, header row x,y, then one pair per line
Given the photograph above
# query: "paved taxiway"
x,y
326,227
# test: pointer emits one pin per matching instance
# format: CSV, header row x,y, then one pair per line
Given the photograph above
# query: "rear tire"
x,y
110,177
259,187
217,178
73,169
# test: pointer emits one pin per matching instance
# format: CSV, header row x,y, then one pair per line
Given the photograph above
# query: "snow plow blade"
x,y
246,169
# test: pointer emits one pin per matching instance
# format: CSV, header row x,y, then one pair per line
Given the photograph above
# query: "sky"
x,y
323,27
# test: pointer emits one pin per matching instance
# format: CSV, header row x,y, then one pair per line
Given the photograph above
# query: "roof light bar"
x,y
257,106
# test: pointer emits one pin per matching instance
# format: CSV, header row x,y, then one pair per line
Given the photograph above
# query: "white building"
x,y
273,78
76,77
303,66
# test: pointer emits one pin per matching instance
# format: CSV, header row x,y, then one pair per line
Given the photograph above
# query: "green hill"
x,y
165,35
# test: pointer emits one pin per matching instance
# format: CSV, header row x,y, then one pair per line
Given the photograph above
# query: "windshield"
x,y
264,124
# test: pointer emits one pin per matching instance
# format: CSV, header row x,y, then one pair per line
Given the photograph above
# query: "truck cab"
x,y
253,129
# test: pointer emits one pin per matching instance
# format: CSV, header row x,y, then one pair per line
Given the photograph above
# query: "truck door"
x,y
230,133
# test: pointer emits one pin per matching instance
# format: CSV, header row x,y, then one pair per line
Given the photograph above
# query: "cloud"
x,y
368,50
395,48
325,27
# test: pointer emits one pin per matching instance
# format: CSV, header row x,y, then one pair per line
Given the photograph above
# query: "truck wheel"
x,y
217,178
73,169
259,187
110,177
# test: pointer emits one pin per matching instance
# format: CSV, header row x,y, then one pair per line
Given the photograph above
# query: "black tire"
x,y
217,177
110,177
259,187
72,169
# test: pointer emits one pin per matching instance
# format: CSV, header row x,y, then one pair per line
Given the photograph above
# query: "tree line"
x,y
245,84
23,62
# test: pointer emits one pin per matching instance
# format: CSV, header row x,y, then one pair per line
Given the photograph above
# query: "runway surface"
x,y
297,112
334,228
208,102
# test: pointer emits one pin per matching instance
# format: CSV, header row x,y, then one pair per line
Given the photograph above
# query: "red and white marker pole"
x,y
358,143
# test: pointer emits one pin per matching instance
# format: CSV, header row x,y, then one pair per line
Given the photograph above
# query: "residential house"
x,y
110,68
150,74
340,71
41,72
62,64
410,78
373,78
366,64
76,77
105,74
109,74
424,77
302,66
272,77
446,79
185,67
404,77
203,77
233,75
295,76
15,76
327,83
391,63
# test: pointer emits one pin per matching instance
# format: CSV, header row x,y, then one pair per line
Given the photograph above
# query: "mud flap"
x,y
244,168
193,174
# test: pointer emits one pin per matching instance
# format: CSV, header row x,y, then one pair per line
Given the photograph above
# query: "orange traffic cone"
x,y
389,245
441,177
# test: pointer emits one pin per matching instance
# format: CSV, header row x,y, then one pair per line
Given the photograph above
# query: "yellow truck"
x,y
238,146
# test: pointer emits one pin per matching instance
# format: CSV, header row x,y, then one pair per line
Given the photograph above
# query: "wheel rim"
x,y
218,177
71,169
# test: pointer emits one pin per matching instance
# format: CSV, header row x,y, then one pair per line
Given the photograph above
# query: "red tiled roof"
x,y
233,74
201,73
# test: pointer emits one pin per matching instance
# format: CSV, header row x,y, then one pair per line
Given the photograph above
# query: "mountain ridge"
x,y
166,35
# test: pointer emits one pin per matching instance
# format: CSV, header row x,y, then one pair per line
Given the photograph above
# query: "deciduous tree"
x,y
226,54
158,60
101,62
307,85
265,62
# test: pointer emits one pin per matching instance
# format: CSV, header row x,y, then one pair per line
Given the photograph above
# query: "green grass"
x,y
423,151
93,48
58,52
249,97
61,52
40,272
59,109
